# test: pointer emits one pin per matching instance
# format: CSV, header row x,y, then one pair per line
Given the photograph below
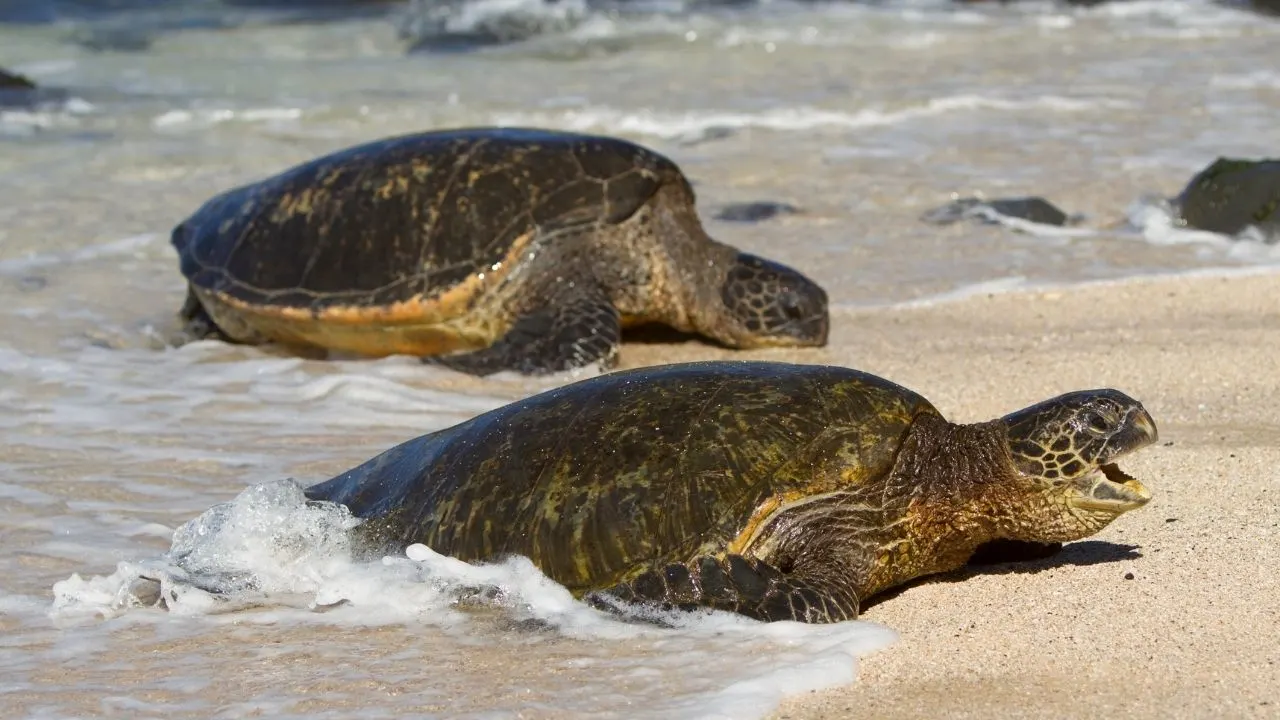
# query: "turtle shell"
x,y
395,225
602,479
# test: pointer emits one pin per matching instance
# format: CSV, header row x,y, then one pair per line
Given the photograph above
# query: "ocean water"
x,y
862,116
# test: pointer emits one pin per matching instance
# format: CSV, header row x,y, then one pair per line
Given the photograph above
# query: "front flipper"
x,y
743,585
577,326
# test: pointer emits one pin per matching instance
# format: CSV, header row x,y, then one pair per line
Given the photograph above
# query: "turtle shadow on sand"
x,y
659,334
997,559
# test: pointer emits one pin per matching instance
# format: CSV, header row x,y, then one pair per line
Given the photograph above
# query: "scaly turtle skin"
x,y
779,491
481,250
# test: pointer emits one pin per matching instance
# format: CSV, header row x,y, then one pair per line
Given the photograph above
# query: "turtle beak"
x,y
1144,427
1112,489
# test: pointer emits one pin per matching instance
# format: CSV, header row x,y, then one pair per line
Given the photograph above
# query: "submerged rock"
x,y
1032,209
755,211
19,92
1231,195
1266,7
13,81
16,90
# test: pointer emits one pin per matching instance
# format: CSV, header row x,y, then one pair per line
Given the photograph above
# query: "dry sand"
x,y
1174,610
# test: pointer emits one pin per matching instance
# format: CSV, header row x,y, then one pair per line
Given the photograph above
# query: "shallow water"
x,y
862,117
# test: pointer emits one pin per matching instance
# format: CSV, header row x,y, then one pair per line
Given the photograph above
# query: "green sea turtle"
x,y
779,491
482,250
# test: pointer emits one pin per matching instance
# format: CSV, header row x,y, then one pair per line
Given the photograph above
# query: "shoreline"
x,y
1006,286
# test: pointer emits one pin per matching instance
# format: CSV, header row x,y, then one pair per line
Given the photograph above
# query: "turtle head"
x,y
766,304
1066,449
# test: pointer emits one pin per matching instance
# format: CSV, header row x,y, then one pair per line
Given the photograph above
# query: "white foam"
x,y
271,550
1002,285
697,123
990,214
1257,80
143,392
124,247
1184,12
1154,219
1019,283
46,114
207,117
492,20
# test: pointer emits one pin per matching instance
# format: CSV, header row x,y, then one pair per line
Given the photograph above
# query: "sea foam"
x,y
270,552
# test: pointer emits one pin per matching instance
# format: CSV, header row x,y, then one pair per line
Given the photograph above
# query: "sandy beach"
x,y
1170,612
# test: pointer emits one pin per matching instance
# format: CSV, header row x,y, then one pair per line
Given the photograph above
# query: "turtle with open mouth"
x,y
774,490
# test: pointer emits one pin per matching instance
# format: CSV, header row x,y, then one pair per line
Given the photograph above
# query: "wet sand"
x,y
1170,612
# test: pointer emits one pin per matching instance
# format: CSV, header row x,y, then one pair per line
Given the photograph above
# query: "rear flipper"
x,y
734,583
577,326
197,323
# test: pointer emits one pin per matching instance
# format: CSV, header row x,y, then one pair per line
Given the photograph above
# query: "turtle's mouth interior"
x,y
1114,490
1114,474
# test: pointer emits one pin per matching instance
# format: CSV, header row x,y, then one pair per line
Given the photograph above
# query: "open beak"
x,y
1113,489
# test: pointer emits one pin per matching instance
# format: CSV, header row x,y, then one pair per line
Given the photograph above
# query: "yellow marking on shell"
x,y
393,187
763,512
764,515
418,326
294,204
419,169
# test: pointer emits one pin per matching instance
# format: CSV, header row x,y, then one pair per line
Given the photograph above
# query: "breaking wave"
x,y
271,551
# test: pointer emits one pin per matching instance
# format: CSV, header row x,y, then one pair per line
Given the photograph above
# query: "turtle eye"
x,y
1097,422
790,303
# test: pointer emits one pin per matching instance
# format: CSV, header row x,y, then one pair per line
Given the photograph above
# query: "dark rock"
x,y
1032,209
1231,195
14,82
755,211
1266,7
16,90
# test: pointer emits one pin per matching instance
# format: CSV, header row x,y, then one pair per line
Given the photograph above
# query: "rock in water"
x,y
15,89
1031,209
755,211
1231,195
